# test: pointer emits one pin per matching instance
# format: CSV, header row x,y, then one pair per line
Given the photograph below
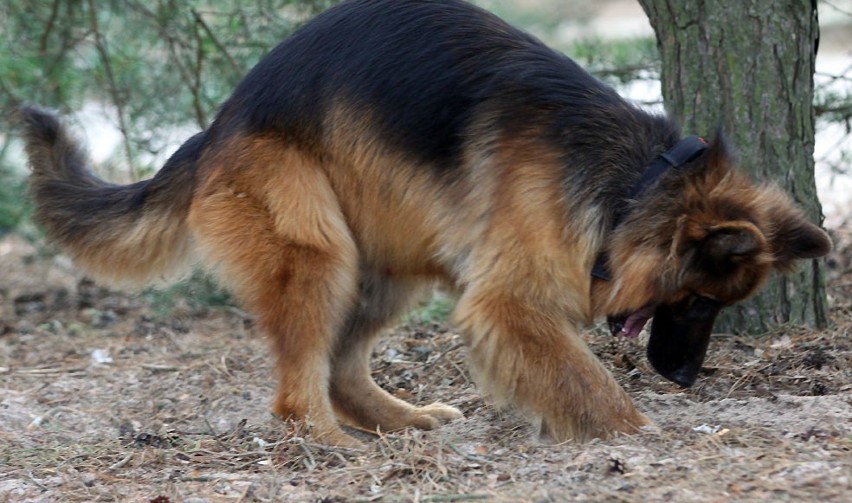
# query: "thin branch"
x,y
843,75
54,12
200,116
837,146
627,71
216,42
190,78
650,103
67,44
838,9
844,110
100,44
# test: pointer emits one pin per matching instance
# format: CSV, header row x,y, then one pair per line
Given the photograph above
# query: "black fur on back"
x,y
424,69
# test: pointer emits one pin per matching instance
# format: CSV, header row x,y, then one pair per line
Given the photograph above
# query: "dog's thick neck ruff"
x,y
684,151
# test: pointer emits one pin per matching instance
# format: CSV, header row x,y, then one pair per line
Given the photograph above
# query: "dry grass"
x,y
180,413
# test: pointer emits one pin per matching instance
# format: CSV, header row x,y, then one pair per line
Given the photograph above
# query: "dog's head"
x,y
705,238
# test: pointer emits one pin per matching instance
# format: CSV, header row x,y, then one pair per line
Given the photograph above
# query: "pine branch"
x,y
100,45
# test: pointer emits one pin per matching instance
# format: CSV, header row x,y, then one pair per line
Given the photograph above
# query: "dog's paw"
x,y
428,417
434,415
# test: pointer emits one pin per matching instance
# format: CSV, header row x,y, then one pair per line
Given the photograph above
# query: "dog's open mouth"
x,y
630,325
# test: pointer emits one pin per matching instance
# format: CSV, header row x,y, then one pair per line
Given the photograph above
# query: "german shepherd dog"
x,y
392,143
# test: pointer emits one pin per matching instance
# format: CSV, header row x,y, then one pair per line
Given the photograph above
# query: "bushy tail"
x,y
119,233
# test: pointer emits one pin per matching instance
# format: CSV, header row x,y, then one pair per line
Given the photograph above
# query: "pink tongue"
x,y
636,322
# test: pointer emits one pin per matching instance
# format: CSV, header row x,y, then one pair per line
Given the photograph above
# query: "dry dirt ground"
x,y
104,398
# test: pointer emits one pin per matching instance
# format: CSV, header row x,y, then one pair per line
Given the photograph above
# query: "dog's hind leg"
x,y
272,225
357,399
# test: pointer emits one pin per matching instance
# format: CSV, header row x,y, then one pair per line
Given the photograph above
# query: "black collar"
x,y
676,157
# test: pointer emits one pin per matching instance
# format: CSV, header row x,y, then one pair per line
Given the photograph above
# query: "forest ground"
x,y
108,396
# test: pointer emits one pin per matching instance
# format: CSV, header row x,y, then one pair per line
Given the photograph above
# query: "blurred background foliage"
x,y
155,70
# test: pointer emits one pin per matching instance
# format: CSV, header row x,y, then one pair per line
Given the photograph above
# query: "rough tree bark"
x,y
747,66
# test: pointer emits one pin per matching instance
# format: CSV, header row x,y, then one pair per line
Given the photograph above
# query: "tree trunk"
x,y
747,66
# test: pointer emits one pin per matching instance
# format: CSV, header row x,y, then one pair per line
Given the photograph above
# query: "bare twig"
x,y
838,145
627,71
57,370
120,464
838,9
310,462
216,42
159,368
100,44
836,76
200,116
469,457
54,12
36,481
191,78
844,109
455,497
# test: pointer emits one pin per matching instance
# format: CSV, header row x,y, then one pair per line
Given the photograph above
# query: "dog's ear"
x,y
719,247
718,151
795,238
730,244
791,235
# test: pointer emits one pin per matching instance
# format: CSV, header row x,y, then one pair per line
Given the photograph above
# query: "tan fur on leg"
x,y
281,241
537,360
357,399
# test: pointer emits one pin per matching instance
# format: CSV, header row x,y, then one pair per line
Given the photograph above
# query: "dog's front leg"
x,y
531,355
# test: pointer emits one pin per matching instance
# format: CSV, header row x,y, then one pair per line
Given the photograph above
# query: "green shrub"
x,y
199,292
14,206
